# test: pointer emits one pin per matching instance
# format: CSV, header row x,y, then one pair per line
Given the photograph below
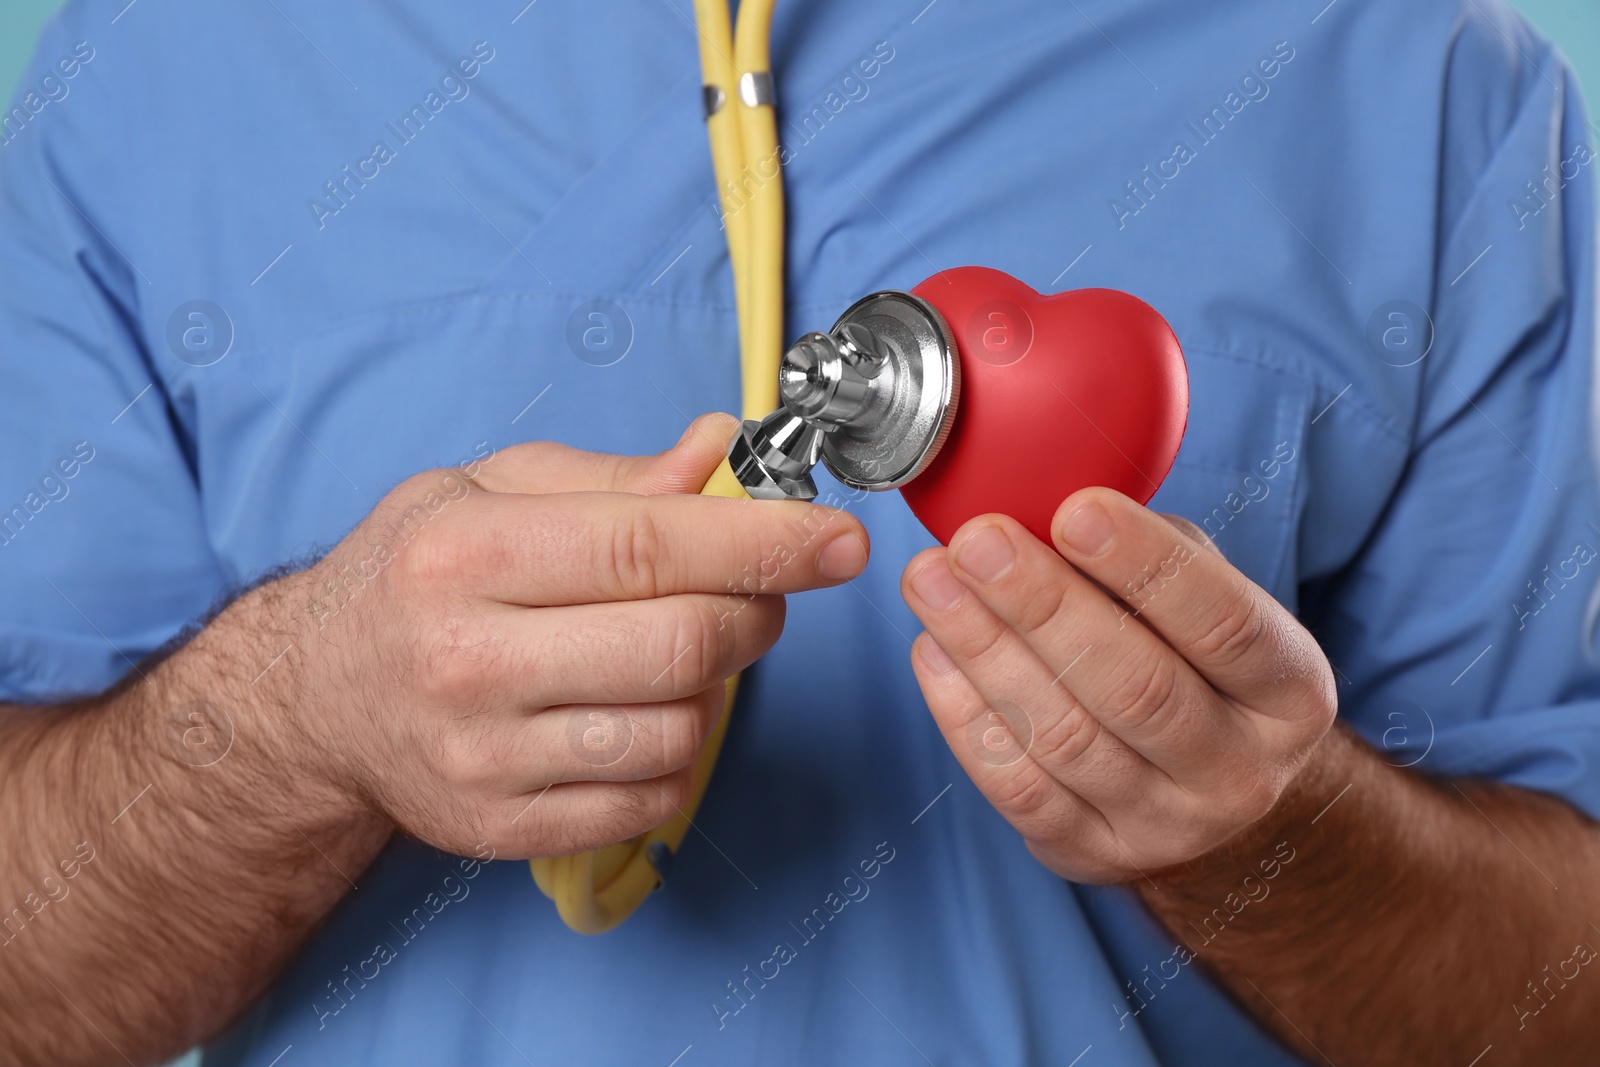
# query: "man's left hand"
x,y
1127,699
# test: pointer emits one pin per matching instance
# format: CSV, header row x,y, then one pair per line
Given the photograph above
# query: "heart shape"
x,y
1086,387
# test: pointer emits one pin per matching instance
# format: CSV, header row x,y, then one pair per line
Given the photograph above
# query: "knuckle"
x,y
679,743
451,662
433,556
1069,737
683,731
694,647
1045,608
978,643
1234,633
634,553
600,737
1148,691
1025,794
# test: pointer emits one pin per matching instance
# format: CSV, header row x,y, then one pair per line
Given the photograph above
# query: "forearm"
x,y
148,893
1413,923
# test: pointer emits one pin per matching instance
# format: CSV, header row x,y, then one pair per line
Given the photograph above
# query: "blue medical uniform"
x,y
412,231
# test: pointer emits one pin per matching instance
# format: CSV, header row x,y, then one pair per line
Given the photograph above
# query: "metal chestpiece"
x,y
873,399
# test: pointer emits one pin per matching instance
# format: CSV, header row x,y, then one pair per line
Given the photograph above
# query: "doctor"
x,y
307,627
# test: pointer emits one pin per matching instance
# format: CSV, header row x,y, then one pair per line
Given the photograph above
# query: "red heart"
x,y
1087,387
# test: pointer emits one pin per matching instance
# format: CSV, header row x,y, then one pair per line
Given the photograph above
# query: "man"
x,y
262,266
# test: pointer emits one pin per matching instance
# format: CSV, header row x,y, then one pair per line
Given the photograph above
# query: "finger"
x,y
998,716
1122,673
584,548
547,467
606,742
572,817
1076,840
1242,641
632,652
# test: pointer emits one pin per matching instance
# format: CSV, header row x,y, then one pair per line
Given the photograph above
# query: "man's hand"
x,y
1142,713
533,657
1127,699
524,655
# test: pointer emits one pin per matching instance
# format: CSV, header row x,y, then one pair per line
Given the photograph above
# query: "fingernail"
x,y
842,558
937,659
1088,530
987,555
936,586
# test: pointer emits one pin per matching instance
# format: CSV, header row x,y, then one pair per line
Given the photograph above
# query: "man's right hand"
x,y
530,652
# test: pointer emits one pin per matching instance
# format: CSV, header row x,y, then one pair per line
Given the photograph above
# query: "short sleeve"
x,y
103,552
1464,632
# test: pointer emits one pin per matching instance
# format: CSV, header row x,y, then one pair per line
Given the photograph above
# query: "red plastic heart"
x,y
1087,387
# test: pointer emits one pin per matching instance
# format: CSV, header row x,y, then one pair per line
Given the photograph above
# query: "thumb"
x,y
687,465
546,467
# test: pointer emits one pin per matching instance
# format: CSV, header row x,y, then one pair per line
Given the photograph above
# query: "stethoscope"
x,y
876,399
594,891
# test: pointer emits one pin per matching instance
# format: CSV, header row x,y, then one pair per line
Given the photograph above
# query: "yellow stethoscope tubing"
x,y
595,891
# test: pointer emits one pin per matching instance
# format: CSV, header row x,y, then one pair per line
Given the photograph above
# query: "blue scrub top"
x,y
402,216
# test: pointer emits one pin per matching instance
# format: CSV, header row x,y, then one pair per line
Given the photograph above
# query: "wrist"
x,y
1331,770
242,698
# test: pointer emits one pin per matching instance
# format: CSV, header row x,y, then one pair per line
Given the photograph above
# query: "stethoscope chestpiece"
x,y
873,399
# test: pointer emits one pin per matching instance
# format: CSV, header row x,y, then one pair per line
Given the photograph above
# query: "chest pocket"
x,y
1238,474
